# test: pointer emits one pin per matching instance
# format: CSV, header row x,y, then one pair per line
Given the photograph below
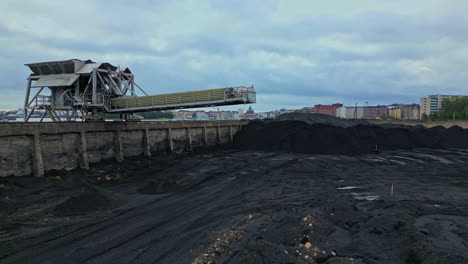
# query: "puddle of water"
x,y
367,198
364,196
397,162
347,188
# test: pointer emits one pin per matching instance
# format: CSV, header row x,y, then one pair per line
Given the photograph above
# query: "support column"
x,y
218,135
84,162
26,99
38,165
146,144
169,140
231,136
94,91
118,147
189,138
205,137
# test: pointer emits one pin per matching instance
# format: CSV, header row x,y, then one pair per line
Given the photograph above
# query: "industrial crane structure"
x,y
71,89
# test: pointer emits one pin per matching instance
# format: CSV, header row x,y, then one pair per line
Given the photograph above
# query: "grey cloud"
x,y
380,57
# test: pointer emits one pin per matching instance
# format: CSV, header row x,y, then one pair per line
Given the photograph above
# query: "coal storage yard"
x,y
297,190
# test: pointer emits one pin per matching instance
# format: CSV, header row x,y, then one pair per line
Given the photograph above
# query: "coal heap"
x,y
88,199
322,138
320,119
159,187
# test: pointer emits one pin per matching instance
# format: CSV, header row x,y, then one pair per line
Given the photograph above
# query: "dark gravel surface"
x,y
243,207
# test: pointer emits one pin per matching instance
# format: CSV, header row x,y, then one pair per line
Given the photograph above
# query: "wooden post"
x,y
205,137
38,165
169,140
146,144
118,147
189,138
84,162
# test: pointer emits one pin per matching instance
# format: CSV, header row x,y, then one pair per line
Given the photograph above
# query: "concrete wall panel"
x,y
16,155
60,151
225,138
197,137
158,140
132,143
100,146
212,136
34,148
179,139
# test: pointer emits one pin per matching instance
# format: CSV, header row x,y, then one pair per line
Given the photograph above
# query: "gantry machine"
x,y
87,90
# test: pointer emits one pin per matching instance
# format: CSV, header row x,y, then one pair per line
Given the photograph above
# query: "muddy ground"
x,y
228,206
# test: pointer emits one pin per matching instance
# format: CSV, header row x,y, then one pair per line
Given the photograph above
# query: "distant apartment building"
x,y
433,103
341,112
183,115
200,115
241,113
307,110
350,112
404,111
394,113
326,109
361,112
375,112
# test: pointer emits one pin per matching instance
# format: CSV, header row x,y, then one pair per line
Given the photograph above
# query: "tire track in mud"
x,y
157,236
105,225
173,255
172,229
87,230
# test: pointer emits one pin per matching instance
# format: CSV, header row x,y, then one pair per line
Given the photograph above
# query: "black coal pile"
x,y
301,137
89,199
159,187
320,119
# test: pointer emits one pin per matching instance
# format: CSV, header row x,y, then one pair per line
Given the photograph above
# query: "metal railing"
x,y
42,100
218,96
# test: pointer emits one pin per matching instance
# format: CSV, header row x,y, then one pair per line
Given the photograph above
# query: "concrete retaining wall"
x,y
426,123
34,148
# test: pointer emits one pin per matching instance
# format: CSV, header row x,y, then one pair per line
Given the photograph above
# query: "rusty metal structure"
x,y
77,89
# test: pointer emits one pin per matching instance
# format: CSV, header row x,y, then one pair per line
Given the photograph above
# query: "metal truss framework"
x,y
90,92
86,90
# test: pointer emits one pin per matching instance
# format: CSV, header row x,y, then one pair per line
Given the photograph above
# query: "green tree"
x,y
434,116
146,115
455,108
158,115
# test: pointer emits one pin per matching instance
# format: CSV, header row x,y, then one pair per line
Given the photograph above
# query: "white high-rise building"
x,y
433,103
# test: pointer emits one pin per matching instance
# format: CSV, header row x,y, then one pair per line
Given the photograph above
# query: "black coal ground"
x,y
229,206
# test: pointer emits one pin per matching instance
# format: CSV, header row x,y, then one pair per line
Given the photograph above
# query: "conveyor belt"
x,y
194,99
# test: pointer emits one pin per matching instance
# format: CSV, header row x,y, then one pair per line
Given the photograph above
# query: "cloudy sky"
x,y
296,52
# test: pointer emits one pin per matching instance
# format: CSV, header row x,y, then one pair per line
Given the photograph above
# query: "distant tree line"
x,y
158,115
452,109
146,115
